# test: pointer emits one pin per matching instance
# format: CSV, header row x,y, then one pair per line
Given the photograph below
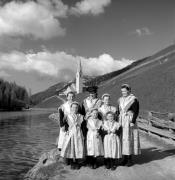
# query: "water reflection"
x,y
22,140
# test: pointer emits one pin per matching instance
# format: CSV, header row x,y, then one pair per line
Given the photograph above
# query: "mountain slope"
x,y
51,91
153,82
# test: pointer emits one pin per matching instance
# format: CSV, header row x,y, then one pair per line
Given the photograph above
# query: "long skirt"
x,y
94,144
130,138
112,146
61,138
73,146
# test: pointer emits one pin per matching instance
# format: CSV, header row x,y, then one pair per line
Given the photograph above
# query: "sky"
x,y
41,41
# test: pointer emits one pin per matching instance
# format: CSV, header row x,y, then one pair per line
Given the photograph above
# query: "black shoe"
x,y
113,166
77,166
107,165
124,161
129,163
68,162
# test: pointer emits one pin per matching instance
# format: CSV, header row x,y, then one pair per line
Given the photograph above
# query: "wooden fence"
x,y
161,124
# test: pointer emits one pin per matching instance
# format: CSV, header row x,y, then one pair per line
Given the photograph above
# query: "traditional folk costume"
x,y
90,103
112,144
63,110
94,141
129,109
103,109
73,145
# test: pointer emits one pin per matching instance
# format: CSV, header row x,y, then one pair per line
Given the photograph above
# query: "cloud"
x,y
93,7
59,65
142,32
39,20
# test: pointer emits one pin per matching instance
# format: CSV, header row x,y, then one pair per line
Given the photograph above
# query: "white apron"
x,y
130,133
91,103
104,109
73,146
112,144
66,109
94,141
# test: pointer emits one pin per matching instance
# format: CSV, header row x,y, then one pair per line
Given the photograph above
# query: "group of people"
x,y
95,129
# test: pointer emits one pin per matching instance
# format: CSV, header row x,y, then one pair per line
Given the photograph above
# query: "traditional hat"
x,y
93,109
74,102
70,92
105,95
92,89
127,86
110,112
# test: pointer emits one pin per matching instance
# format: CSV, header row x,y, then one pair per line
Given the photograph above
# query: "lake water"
x,y
24,136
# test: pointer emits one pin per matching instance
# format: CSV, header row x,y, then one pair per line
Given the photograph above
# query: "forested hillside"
x,y
12,96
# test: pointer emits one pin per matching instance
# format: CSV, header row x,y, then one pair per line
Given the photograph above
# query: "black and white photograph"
x,y
87,89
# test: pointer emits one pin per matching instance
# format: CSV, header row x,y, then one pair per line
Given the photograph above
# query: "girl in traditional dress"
x,y
92,101
112,144
64,110
106,106
94,141
73,145
128,106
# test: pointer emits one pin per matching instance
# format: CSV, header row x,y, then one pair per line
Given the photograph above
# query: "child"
x,y
73,145
94,142
112,144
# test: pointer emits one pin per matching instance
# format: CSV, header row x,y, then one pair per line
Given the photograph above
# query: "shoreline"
x,y
13,114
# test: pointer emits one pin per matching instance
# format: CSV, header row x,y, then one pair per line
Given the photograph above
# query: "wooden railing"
x,y
158,123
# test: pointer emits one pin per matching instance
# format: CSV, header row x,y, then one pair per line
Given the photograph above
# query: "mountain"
x,y
152,80
51,91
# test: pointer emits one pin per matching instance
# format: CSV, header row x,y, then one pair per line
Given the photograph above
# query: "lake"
x,y
24,136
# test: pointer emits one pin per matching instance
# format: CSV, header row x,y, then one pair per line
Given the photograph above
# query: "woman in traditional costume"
x,y
128,106
92,101
112,144
106,106
73,145
64,110
94,144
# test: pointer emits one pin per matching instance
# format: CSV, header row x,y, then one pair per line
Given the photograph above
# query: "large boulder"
x,y
48,166
171,116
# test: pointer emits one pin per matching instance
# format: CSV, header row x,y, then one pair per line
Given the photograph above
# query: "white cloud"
x,y
59,64
94,7
39,20
142,32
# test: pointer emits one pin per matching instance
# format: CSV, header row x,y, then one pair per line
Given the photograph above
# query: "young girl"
x,y
106,106
73,145
94,141
112,145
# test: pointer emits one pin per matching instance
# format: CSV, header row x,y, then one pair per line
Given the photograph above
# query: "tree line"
x,y
13,96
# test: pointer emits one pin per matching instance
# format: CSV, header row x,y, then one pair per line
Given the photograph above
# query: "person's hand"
x,y
131,124
113,131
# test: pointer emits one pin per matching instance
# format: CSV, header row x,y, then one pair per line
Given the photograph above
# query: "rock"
x,y
54,117
48,166
171,116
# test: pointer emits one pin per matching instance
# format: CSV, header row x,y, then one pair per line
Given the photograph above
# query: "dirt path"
x,y
157,162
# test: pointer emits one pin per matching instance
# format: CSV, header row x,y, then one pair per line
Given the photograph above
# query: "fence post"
x,y
149,121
